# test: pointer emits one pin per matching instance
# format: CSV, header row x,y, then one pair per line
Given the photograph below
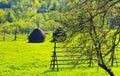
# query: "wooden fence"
x,y
62,58
11,37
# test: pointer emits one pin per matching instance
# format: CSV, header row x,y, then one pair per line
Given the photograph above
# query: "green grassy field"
x,y
20,58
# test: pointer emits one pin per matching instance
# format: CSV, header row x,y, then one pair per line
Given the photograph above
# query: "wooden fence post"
x,y
54,61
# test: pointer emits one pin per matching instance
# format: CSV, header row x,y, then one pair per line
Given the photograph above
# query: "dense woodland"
x,y
24,15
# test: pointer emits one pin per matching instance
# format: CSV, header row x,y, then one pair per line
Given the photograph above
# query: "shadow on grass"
x,y
49,71
34,42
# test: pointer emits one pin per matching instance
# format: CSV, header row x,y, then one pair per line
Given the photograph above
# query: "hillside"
x,y
24,15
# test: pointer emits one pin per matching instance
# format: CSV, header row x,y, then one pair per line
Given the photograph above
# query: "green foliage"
x,y
23,15
2,16
36,3
6,27
10,16
50,25
90,19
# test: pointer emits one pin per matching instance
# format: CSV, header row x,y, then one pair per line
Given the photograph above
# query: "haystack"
x,y
59,35
37,35
115,22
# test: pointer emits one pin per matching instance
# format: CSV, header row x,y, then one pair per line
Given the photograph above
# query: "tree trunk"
x,y
106,69
112,56
103,65
90,58
15,38
15,32
4,36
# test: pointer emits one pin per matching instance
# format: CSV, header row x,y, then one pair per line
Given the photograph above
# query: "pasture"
x,y
20,58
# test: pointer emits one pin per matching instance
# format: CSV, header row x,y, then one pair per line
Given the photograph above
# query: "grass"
x,y
20,58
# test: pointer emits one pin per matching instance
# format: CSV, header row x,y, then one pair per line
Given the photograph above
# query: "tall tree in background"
x,y
15,28
11,16
5,29
36,3
91,20
2,16
2,21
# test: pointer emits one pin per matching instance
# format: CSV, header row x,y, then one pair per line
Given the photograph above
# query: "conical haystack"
x,y
37,35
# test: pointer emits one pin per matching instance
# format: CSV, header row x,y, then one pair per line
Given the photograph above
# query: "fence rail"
x,y
74,58
10,37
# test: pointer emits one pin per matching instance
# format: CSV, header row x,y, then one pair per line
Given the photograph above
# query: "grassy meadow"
x,y
20,58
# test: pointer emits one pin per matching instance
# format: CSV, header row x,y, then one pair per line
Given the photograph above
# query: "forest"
x,y
24,15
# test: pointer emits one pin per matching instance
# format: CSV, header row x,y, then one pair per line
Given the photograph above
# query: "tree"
x,y
38,19
11,16
91,21
36,3
2,16
15,27
5,29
